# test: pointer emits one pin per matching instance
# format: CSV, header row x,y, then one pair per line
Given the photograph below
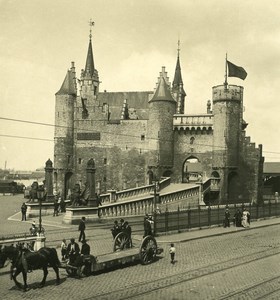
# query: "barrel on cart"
x,y
123,253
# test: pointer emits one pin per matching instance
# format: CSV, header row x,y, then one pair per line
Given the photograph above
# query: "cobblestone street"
x,y
240,265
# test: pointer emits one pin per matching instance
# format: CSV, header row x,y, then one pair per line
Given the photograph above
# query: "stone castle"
x,y
137,137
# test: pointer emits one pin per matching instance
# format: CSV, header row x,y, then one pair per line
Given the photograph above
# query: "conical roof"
x,y
178,77
68,86
89,68
162,92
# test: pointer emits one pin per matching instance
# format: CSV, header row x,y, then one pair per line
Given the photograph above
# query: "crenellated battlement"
x,y
232,92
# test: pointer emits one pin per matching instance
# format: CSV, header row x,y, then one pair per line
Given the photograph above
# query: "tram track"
x,y
263,289
146,288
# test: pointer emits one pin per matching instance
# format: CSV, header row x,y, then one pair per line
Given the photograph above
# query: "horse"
x,y
25,260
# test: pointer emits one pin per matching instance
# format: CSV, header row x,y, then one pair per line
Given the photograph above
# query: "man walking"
x,y
23,212
82,227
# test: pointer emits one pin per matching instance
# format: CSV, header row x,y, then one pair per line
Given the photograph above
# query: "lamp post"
x,y
40,194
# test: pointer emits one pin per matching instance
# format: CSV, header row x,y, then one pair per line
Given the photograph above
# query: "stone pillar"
x,y
92,200
49,180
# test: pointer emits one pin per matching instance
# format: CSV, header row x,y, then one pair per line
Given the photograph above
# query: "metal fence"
x,y
186,219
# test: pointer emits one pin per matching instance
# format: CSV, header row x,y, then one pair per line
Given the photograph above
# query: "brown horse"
x,y
24,260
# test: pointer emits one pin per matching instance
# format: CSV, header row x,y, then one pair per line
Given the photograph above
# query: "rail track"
x,y
146,288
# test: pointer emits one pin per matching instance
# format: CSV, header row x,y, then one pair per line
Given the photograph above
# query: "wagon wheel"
x,y
148,250
71,271
122,241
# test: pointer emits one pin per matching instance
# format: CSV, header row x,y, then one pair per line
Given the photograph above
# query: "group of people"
x,y
121,226
73,251
240,219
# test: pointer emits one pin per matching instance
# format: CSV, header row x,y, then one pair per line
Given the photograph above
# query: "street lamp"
x,y
156,193
40,194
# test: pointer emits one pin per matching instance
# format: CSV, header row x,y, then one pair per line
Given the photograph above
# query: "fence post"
x,y
263,210
166,219
189,218
199,216
218,215
209,216
178,219
257,209
269,207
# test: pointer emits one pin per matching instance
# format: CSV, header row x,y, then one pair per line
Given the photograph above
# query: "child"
x,y
172,251
63,249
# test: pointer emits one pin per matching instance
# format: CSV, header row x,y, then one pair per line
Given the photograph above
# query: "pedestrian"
x,y
116,229
245,215
73,251
82,228
63,249
227,218
23,211
33,230
172,252
147,226
55,208
238,218
62,205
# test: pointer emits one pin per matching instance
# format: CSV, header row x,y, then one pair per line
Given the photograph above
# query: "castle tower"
x,y
177,87
162,107
227,124
63,135
89,76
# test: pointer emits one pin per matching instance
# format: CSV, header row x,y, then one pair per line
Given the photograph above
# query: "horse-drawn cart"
x,y
123,253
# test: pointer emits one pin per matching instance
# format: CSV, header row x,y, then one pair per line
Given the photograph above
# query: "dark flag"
x,y
235,71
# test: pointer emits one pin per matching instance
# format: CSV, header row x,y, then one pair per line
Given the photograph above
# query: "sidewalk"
x,y
57,230
195,234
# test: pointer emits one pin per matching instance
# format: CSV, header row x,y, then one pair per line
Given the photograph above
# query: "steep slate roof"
x,y
137,101
162,92
89,68
68,87
178,76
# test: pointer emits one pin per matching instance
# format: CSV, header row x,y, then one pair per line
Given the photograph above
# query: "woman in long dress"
x,y
245,218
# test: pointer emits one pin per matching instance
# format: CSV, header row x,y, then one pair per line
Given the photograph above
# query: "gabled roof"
x,y
68,87
162,92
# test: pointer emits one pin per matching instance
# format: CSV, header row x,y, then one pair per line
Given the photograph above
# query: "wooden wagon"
x,y
123,253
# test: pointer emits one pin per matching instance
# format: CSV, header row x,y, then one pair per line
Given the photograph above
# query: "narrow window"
x,y
80,161
192,140
142,137
105,161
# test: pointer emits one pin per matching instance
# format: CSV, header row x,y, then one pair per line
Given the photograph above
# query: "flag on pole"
x,y
235,71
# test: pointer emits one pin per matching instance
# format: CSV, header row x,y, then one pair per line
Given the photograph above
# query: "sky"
x,y
132,40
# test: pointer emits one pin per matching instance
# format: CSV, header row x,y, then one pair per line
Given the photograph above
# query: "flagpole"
x,y
225,83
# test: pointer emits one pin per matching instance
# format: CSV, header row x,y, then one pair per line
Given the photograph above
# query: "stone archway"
x,y
191,170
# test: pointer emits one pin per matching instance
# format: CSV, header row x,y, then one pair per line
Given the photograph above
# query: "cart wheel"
x,y
148,250
122,241
70,271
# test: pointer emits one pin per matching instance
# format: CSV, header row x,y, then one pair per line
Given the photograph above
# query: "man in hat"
x,y
85,248
227,218
73,251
